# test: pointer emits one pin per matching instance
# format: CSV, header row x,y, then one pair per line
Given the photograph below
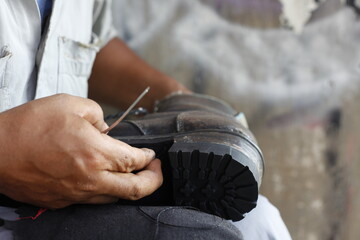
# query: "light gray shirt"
x,y
59,61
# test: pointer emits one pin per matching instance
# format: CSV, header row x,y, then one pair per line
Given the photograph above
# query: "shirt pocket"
x,y
5,55
75,64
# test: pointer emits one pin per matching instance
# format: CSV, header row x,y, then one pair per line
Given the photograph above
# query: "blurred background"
x,y
293,67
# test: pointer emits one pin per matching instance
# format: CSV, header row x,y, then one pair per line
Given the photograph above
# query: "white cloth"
x,y
263,223
8,214
60,61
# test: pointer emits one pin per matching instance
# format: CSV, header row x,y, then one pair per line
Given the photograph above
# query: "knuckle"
x,y
88,187
95,107
79,166
86,184
87,161
128,163
136,192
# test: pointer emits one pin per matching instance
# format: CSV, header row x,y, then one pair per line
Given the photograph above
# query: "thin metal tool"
x,y
127,111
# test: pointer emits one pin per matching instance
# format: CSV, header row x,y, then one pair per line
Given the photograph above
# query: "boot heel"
x,y
217,177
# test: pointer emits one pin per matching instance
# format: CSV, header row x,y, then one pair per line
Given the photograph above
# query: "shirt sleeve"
x,y
103,25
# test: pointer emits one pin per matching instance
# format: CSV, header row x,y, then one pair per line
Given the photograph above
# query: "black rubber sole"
x,y
214,177
215,184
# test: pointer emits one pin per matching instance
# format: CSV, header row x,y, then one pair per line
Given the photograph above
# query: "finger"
x,y
88,110
94,114
124,158
133,186
83,107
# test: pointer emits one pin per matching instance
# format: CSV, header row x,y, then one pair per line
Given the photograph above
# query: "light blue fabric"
x,y
44,8
263,223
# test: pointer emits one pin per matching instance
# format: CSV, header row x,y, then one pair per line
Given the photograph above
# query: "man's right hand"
x,y
53,154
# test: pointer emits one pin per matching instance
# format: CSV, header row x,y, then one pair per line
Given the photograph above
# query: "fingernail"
x,y
150,153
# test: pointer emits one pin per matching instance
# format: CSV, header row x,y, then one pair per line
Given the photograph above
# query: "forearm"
x,y
119,76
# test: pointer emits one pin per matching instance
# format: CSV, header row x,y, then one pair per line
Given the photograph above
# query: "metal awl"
x,y
127,111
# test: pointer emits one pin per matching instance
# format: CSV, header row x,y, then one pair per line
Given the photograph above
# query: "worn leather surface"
x,y
191,102
181,113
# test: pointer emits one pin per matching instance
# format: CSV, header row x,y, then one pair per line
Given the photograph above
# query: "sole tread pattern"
x,y
216,184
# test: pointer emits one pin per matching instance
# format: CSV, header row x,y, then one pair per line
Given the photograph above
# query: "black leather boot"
x,y
210,160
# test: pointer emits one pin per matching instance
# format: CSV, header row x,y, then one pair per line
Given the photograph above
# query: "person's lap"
x,y
139,222
114,221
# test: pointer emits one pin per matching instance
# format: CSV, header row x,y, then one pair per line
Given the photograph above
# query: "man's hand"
x,y
53,154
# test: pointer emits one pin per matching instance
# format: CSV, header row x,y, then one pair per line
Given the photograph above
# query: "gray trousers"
x,y
118,222
136,222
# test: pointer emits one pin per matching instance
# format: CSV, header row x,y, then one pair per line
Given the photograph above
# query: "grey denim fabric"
x,y
121,222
